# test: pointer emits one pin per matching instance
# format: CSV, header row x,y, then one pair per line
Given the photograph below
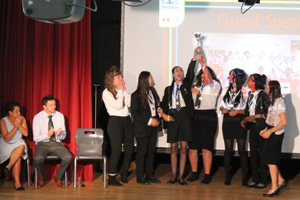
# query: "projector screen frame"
x,y
167,149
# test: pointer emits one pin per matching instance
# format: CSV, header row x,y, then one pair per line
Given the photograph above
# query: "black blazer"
x,y
261,107
141,116
186,93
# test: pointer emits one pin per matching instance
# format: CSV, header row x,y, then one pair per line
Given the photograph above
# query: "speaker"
x,y
250,2
54,11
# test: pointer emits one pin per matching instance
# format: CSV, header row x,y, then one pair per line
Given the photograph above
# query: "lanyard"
x,y
249,104
234,97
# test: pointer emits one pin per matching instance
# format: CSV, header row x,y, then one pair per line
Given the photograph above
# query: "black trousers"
x,y
259,169
145,153
120,130
44,149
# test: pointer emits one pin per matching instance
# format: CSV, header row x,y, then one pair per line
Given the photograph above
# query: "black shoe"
x,y
260,186
274,192
244,184
282,185
251,185
113,181
194,177
244,181
206,179
142,181
153,179
6,170
19,188
181,182
124,179
172,181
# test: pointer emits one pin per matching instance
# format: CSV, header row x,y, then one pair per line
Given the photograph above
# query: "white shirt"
x,y
273,114
209,96
114,106
40,126
182,103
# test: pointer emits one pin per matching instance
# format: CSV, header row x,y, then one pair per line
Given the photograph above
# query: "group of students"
x,y
188,110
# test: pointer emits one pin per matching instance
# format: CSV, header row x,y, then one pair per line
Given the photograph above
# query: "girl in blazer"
x,y
177,110
256,112
144,104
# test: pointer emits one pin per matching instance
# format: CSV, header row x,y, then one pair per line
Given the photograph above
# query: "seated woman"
x,y
12,146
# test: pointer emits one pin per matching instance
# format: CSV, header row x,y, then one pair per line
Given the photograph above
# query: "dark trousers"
x,y
145,153
259,169
44,149
120,130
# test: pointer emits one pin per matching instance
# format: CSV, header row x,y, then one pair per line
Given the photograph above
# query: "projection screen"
x,y
265,39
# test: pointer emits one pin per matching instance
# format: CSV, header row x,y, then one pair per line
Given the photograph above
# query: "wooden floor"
x,y
132,190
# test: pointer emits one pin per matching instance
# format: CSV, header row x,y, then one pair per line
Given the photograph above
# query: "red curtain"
x,y
37,59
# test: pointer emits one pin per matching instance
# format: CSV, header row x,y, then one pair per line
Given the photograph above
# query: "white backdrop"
x,y
266,39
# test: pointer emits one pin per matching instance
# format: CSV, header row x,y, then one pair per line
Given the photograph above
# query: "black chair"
x,y
89,147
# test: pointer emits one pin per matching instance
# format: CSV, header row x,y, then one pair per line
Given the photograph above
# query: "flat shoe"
x,y
153,179
193,177
260,186
172,181
142,181
19,188
182,182
251,185
274,192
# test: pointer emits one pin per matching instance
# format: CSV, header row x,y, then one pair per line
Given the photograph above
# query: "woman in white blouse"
x,y
274,132
120,127
206,88
233,107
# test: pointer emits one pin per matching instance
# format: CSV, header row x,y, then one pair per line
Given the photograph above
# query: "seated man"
x,y
48,132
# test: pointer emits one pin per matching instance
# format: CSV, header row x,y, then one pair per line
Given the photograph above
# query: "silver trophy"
x,y
197,36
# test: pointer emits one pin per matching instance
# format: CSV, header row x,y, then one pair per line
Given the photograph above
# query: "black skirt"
x,y
205,125
272,150
232,128
181,128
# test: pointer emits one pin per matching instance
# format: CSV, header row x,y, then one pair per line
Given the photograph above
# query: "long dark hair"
x,y
213,76
240,78
274,92
260,81
143,89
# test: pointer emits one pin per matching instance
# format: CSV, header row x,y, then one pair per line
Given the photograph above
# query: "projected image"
x,y
279,59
